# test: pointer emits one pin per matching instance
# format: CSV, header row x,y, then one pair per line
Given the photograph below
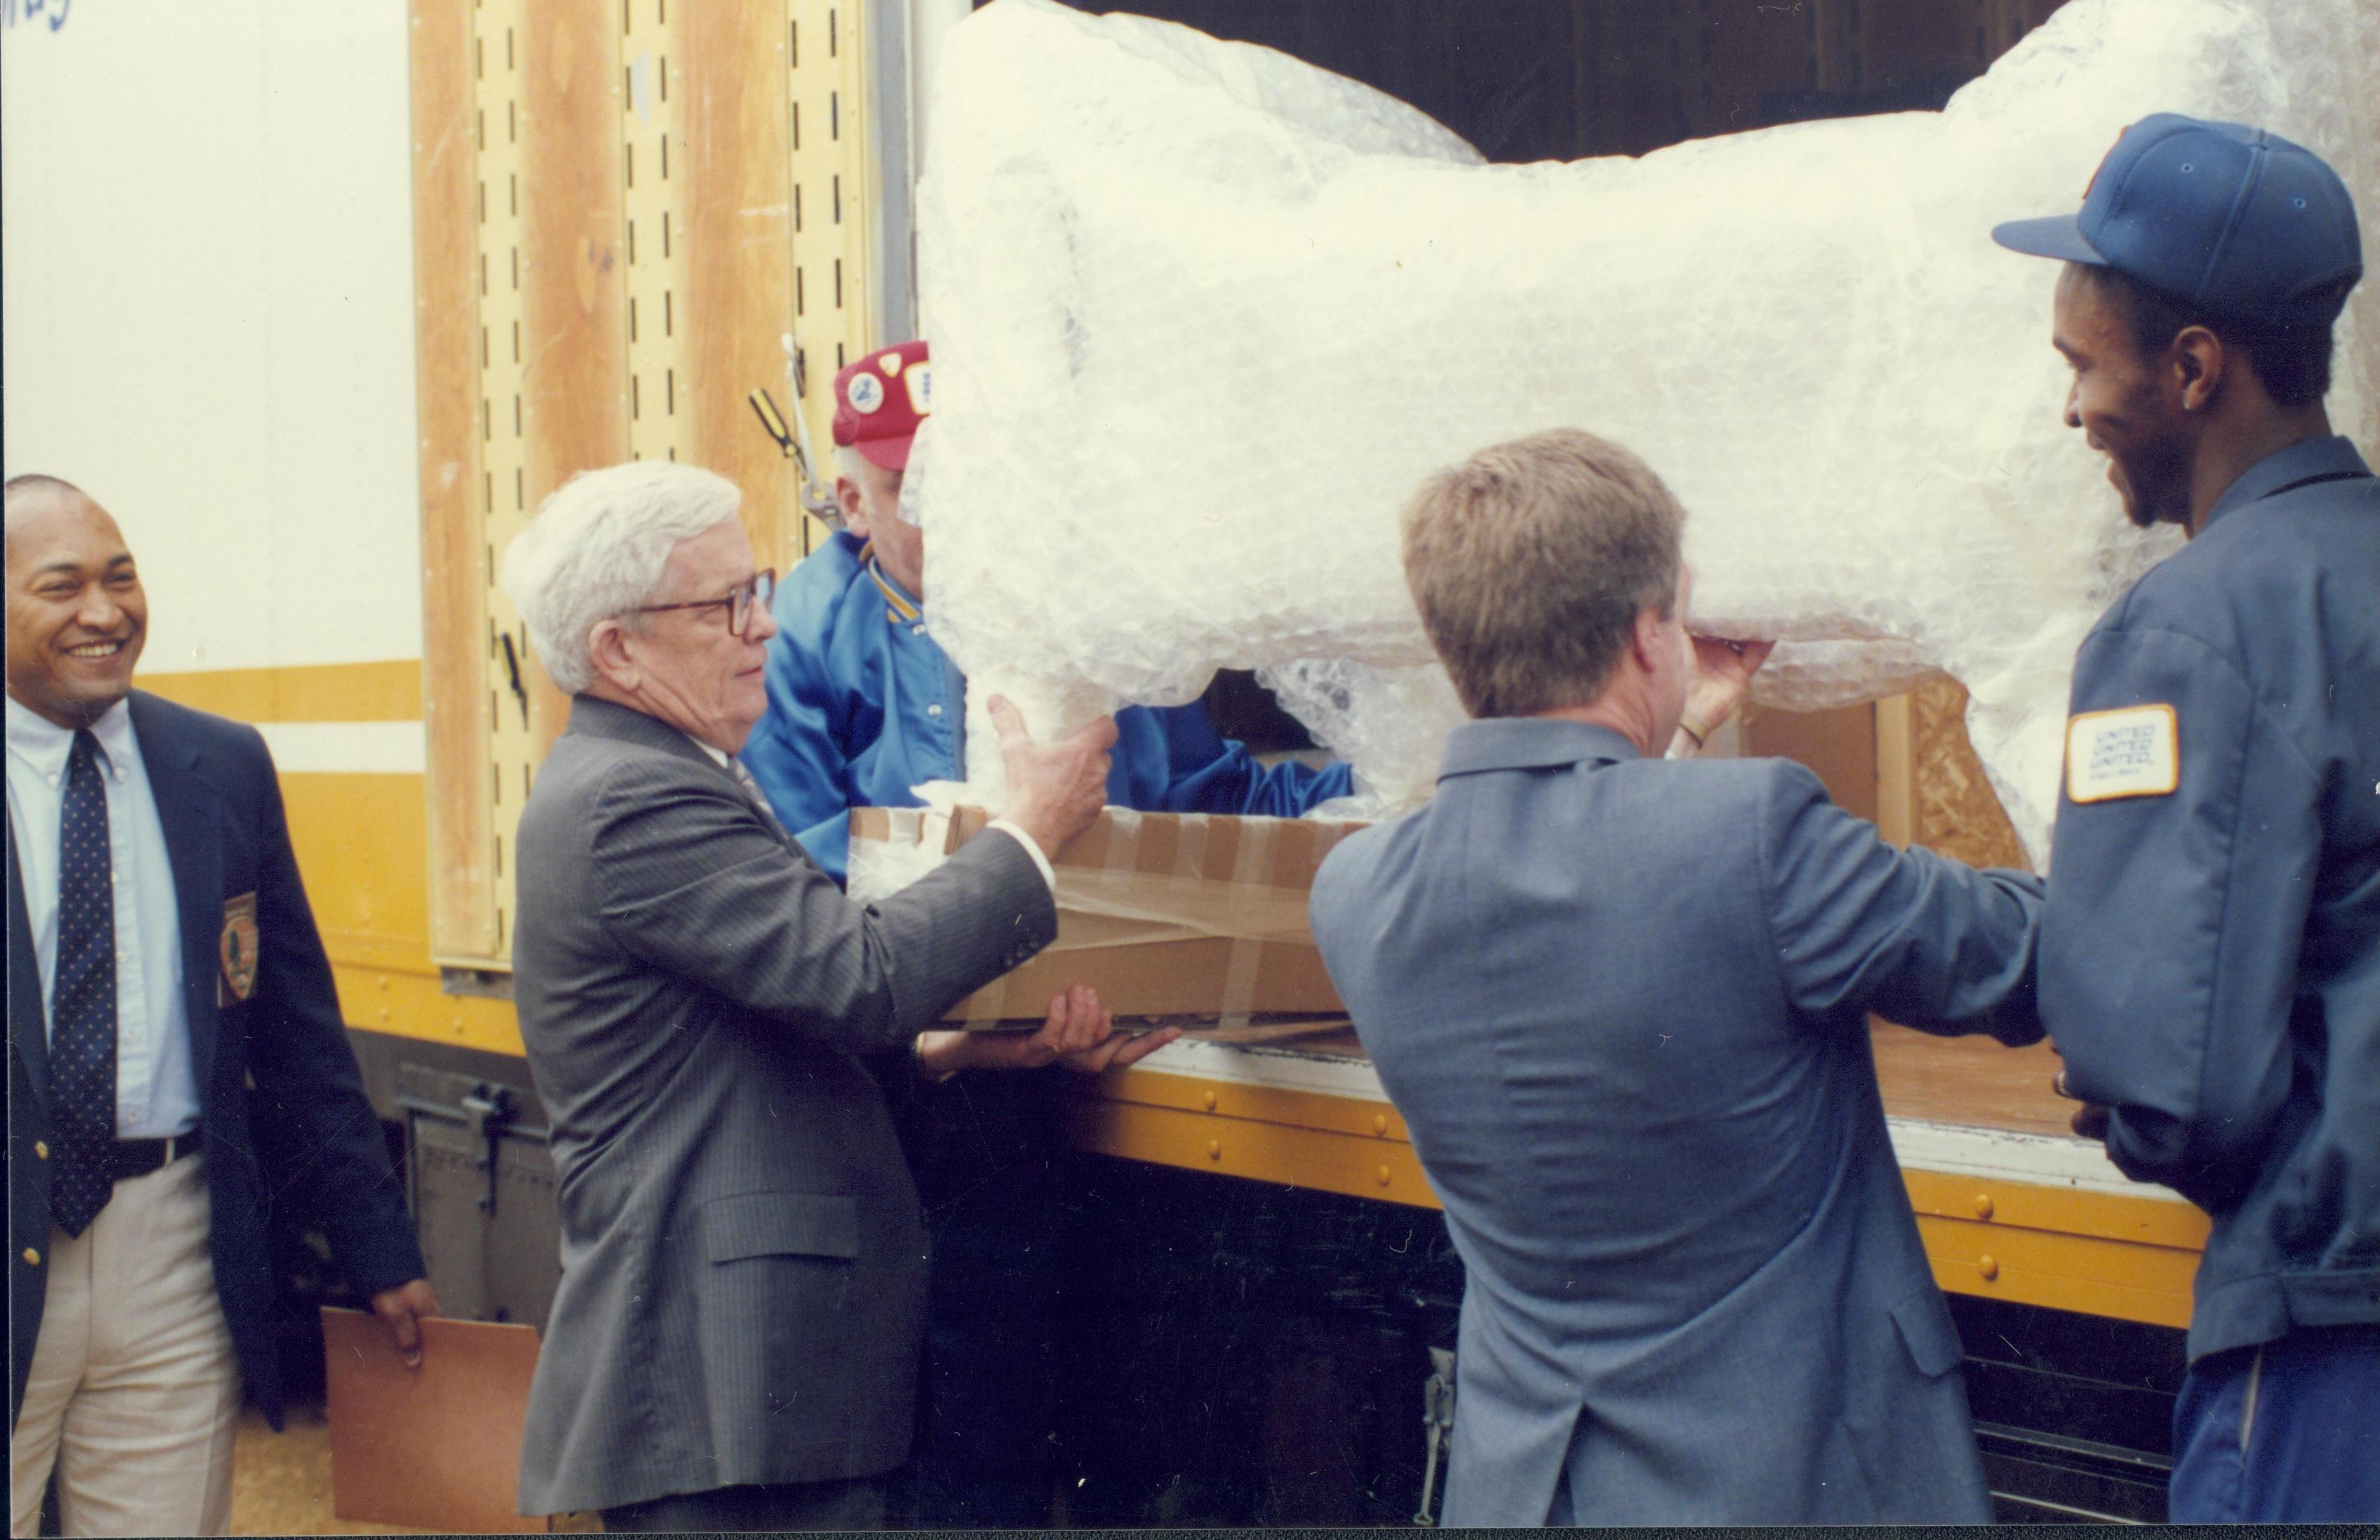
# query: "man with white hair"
x,y
863,707
734,1344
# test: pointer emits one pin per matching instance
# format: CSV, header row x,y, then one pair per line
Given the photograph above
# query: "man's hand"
x,y
1082,1037
1077,1034
2090,1119
1723,671
400,1309
1054,789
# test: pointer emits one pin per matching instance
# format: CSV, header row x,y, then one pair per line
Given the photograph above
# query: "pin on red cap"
x,y
880,400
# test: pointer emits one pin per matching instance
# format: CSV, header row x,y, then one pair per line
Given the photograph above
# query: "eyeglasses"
x,y
747,598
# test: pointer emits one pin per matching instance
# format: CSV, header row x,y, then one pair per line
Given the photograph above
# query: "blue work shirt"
x,y
863,705
2211,945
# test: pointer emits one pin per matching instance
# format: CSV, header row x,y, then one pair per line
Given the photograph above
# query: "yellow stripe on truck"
x,y
304,692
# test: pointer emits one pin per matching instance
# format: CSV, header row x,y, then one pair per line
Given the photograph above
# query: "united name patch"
x,y
2133,752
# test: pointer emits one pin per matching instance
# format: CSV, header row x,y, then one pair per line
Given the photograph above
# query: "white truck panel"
x,y
209,294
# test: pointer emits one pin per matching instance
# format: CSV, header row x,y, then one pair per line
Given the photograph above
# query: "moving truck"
x,y
322,301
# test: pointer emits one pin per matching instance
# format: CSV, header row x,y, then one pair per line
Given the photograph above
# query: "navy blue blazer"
x,y
1622,1007
305,1136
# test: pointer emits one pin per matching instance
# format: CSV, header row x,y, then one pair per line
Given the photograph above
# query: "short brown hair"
x,y
1530,563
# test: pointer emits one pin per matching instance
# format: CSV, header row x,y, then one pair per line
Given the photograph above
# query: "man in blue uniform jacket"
x,y
178,1066
863,705
2211,948
1622,1005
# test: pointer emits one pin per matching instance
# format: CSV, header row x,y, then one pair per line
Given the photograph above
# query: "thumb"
x,y
1100,734
408,1331
1008,722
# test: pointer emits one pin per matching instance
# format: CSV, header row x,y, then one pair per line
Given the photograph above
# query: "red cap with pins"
x,y
880,400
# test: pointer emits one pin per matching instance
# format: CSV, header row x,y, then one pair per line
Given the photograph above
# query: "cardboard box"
x,y
1164,913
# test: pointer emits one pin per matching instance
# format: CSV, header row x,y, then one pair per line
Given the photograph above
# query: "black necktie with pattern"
x,y
82,1008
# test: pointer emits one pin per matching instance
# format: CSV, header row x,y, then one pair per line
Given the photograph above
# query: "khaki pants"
x,y
135,1388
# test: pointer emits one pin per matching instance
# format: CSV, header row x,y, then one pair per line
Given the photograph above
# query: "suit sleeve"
x,y
692,881
1859,925
2169,950
829,844
1206,772
315,1127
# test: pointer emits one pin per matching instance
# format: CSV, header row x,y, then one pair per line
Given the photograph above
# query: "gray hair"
x,y
862,472
597,549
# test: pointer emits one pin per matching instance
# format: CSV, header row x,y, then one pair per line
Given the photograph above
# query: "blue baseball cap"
x,y
2218,214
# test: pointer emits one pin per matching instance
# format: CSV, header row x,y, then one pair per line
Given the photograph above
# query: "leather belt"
x,y
132,1158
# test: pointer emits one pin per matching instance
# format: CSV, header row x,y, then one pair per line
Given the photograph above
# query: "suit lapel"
x,y
192,816
592,716
603,718
28,1019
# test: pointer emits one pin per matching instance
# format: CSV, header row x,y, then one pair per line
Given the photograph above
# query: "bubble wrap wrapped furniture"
x,y
1204,316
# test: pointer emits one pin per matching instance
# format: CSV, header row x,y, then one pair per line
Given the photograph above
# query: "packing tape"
x,y
1179,904
1249,869
1165,908
879,868
1124,839
991,1002
1190,853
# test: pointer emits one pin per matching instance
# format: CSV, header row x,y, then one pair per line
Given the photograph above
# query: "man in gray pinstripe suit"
x,y
734,1344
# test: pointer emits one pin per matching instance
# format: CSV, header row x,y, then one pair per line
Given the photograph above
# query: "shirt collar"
x,y
43,746
608,718
2328,456
1529,743
904,606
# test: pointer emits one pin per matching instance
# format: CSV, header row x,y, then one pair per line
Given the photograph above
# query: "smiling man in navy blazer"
x,y
177,1065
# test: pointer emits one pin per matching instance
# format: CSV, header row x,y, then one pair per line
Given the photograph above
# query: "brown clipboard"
x,y
434,1447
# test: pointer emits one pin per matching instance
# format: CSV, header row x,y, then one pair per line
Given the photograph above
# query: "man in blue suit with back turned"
x,y
863,705
1622,1005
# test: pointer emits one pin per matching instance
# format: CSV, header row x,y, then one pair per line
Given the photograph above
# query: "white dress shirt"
x,y
156,1093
